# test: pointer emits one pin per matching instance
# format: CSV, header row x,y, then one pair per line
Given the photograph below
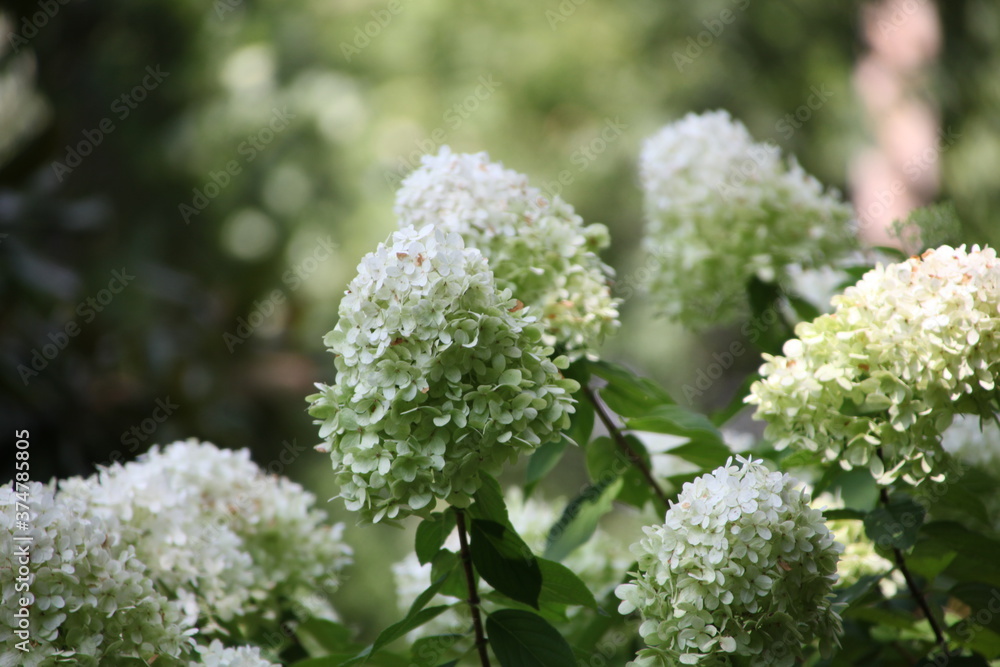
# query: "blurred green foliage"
x,y
284,126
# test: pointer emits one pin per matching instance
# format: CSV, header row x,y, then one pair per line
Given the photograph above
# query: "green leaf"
x,y
955,661
626,393
606,460
843,514
975,558
426,651
411,622
856,591
736,404
560,585
489,503
675,420
579,520
983,601
320,637
431,534
897,525
706,454
445,564
506,563
542,462
522,639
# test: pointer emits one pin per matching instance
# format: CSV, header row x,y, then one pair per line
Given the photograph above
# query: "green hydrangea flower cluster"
x,y
742,566
876,382
440,377
722,209
539,249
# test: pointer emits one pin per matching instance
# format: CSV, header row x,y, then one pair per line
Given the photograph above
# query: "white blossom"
x,y
721,210
740,564
217,655
440,376
537,247
230,541
876,382
91,598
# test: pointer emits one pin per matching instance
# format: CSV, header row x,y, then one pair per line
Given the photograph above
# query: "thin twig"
x,y
470,579
623,445
911,583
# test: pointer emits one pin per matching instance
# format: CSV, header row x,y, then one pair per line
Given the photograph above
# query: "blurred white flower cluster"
x,y
217,655
721,210
742,565
907,349
92,598
538,249
440,376
187,543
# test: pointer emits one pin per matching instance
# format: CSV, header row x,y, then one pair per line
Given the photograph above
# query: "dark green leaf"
x,y
522,639
706,454
431,534
983,601
503,559
675,420
805,311
579,520
897,525
975,558
955,661
626,393
582,422
856,591
562,586
489,503
842,514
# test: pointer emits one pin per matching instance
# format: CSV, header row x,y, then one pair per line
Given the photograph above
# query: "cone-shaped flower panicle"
x,y
742,565
722,209
440,376
876,382
538,248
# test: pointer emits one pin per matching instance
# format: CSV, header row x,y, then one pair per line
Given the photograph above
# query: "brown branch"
x,y
470,579
623,445
911,583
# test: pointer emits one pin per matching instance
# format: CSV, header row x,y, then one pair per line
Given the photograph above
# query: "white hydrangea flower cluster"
x,y
215,530
539,249
217,655
721,209
92,597
440,376
742,565
906,349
